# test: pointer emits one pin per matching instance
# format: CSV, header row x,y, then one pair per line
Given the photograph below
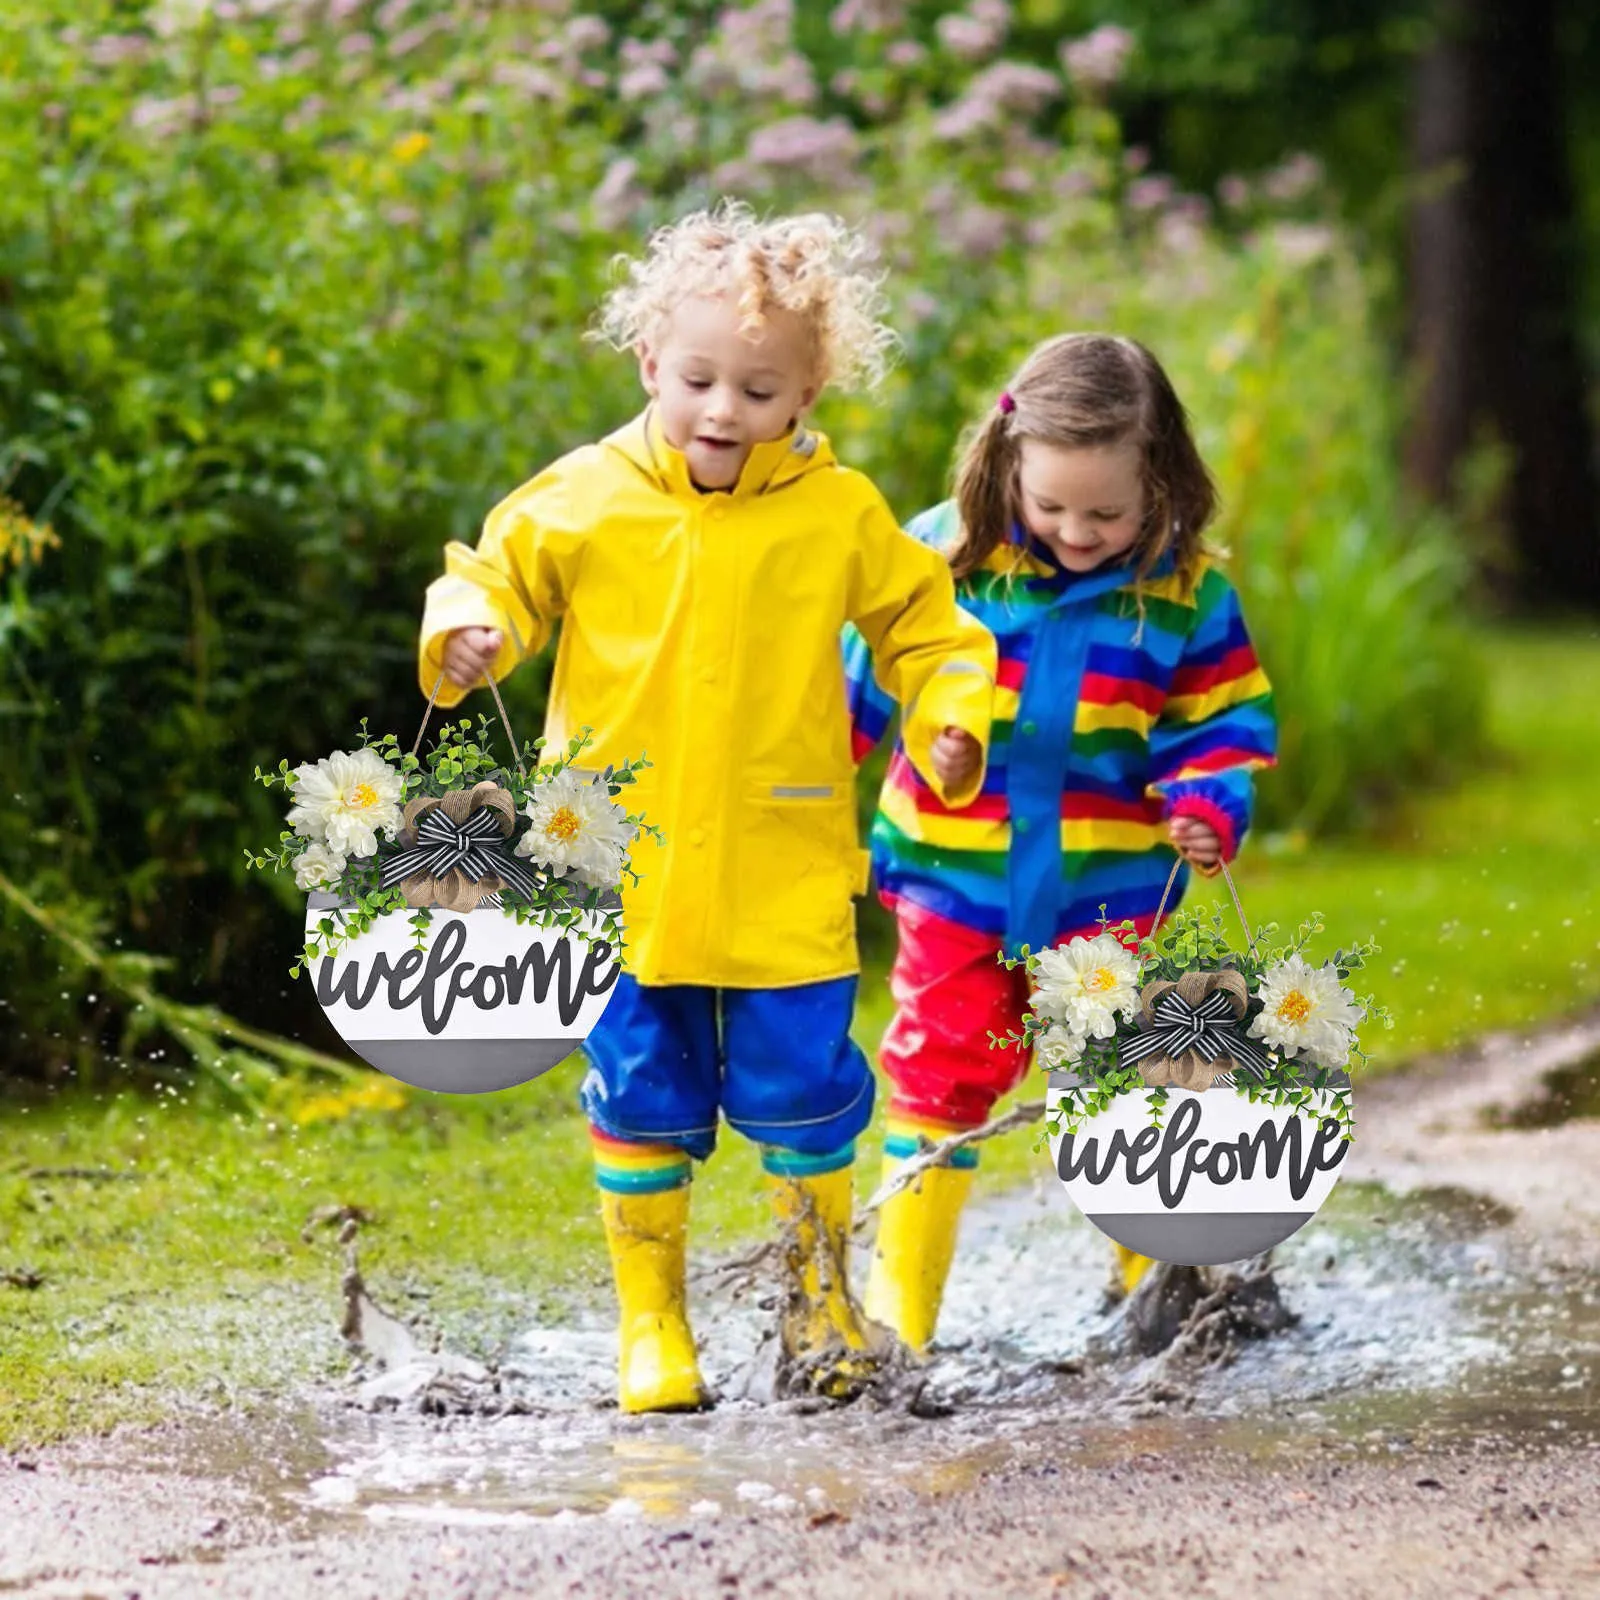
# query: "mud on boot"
x,y
829,1348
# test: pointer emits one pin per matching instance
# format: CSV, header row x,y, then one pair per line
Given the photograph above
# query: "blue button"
x,y
1029,729
1021,825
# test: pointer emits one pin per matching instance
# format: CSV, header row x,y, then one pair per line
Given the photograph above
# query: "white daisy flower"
x,y
318,867
1306,1011
1087,985
577,828
345,800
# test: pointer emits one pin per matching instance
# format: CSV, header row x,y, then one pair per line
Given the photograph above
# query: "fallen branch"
x,y
937,1154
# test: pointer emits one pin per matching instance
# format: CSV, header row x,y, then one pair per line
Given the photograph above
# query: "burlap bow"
x,y
456,851
1189,1033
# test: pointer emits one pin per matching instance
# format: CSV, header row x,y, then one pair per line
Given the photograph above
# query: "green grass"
x,y
190,1278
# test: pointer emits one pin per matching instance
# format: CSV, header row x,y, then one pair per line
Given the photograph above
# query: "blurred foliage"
x,y
291,293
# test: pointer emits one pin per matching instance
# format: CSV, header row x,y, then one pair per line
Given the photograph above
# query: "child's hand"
x,y
1197,841
956,756
468,652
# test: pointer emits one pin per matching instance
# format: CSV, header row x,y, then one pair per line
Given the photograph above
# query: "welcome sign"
x,y
1220,1180
484,1005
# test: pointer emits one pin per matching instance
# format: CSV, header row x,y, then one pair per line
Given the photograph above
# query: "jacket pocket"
x,y
799,858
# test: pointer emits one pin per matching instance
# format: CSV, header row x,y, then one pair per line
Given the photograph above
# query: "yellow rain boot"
x,y
820,1319
657,1370
1130,1267
916,1243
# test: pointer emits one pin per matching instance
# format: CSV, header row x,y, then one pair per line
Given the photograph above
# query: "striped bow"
x,y
1207,1029
475,847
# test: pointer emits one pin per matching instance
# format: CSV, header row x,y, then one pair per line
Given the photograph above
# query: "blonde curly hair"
x,y
813,265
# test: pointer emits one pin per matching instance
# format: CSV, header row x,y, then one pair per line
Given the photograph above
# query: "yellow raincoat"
x,y
703,630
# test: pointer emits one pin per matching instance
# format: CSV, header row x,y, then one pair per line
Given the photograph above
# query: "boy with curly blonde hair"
x,y
702,562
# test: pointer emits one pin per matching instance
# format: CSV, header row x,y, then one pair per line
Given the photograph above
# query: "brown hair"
x,y
1088,389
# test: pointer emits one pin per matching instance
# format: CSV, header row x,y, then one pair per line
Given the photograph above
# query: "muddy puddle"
x,y
1418,1326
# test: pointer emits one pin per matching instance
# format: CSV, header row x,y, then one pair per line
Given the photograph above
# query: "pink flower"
x,y
868,16
655,52
972,35
789,80
980,232
962,118
1015,86
356,44
906,53
1233,191
618,196
642,81
413,38
1073,184
824,150
1300,243
116,48
1150,194
586,33
535,82
1294,180
1095,62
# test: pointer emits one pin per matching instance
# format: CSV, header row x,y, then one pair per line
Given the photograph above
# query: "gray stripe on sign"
x,y
464,1066
1199,1238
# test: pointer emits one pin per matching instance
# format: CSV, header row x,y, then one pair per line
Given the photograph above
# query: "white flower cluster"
x,y
1082,989
341,804
1085,986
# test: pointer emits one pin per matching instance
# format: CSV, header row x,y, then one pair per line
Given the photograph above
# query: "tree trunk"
x,y
1492,301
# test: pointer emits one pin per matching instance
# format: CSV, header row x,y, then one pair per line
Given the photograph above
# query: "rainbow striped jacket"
x,y
1104,727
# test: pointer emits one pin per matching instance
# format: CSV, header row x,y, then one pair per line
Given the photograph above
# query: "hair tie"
x,y
1007,404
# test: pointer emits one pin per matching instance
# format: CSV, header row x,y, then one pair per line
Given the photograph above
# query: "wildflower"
x,y
1015,86
1150,194
980,232
345,800
965,37
1233,191
1294,180
586,33
21,538
868,16
409,146
1300,243
820,149
617,196
1094,63
642,81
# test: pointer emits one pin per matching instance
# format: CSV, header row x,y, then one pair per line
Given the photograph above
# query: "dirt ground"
x,y
1268,1492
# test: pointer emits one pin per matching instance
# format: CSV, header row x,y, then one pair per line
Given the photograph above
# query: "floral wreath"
x,y
454,830
1182,1008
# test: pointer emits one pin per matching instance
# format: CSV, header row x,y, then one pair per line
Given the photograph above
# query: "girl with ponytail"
x,y
1130,714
